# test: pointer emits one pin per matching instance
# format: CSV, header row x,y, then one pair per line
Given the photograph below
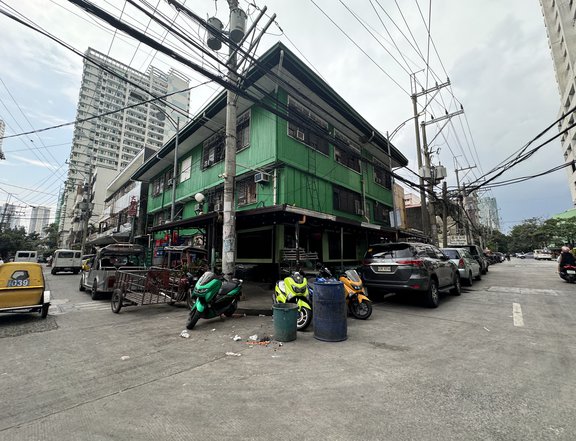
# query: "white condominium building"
x,y
560,20
112,141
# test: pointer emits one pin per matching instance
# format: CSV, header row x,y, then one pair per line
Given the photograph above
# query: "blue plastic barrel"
x,y
285,317
330,312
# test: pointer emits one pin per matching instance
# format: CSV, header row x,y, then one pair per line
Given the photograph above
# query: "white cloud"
x,y
37,163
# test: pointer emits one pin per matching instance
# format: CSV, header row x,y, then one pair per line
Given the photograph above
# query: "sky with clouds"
x,y
495,54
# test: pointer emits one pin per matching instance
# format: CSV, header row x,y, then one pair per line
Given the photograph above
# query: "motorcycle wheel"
x,y
304,319
231,309
361,310
193,318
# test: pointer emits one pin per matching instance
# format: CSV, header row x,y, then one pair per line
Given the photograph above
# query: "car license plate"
x,y
570,272
384,269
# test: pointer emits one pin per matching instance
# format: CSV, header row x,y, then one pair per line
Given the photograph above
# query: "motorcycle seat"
x,y
227,287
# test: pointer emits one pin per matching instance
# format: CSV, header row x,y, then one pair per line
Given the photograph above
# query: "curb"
x,y
254,311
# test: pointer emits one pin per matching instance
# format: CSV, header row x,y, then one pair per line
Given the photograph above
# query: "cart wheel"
x,y
117,298
44,310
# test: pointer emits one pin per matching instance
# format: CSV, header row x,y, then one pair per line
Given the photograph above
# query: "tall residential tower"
x,y
560,20
110,142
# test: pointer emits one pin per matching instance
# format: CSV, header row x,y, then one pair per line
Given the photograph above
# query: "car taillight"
x,y
410,262
461,263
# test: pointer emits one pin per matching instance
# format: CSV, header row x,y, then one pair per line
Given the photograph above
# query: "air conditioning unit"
x,y
261,178
300,135
218,206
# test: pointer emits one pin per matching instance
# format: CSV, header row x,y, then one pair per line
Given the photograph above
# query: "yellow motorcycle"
x,y
294,289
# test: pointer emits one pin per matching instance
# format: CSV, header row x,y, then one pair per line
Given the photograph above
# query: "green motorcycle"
x,y
213,296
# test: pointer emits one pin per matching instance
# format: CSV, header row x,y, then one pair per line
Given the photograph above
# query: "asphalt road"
x,y
496,363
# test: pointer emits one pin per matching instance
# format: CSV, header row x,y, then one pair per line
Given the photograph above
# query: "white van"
x,y
26,256
67,260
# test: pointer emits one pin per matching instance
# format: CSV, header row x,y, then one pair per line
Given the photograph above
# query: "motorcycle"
x,y
568,273
213,296
294,289
358,303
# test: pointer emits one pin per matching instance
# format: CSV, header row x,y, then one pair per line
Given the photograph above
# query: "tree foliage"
x,y
14,239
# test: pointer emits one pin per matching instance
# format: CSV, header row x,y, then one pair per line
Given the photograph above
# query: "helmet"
x,y
565,249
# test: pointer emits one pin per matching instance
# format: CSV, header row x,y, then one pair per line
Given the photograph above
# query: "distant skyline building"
x,y
9,216
111,142
488,213
559,18
39,219
2,131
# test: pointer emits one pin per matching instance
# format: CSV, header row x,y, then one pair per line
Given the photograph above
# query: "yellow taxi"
x,y
22,288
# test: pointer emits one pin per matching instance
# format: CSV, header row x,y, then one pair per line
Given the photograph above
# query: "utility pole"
x,y
444,214
462,194
423,208
229,212
432,178
87,208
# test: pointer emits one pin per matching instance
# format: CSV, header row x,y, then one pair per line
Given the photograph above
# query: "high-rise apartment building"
x,y
488,213
39,218
560,20
112,141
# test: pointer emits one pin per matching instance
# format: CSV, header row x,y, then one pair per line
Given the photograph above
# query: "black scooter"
x,y
568,273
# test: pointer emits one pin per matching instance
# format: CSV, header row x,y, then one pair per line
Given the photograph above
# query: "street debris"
x,y
236,337
125,357
184,334
253,337
213,329
485,328
233,354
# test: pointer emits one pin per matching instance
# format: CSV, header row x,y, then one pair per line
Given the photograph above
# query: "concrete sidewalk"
x,y
256,299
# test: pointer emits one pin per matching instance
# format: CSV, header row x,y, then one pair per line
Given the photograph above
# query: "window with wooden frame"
x,y
246,191
157,186
346,152
213,149
185,167
382,177
347,201
306,127
243,131
382,213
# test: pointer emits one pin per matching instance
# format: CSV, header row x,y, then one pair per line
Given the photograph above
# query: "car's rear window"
x,y
389,251
452,254
21,254
66,254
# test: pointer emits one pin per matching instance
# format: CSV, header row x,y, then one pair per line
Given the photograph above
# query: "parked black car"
x,y
477,254
403,267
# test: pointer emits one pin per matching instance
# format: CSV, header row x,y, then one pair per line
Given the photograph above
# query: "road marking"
x,y
517,314
516,290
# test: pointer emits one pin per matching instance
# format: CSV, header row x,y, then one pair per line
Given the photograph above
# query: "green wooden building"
x,y
312,174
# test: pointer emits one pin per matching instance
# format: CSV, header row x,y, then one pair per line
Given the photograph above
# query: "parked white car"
x,y
468,267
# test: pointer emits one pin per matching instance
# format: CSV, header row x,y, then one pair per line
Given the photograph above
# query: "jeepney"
x,y
99,271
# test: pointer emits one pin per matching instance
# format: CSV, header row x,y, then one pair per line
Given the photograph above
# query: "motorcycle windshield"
x,y
206,278
353,276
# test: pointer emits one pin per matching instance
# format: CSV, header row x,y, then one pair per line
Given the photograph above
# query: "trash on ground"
x,y
184,334
236,338
213,329
280,344
233,354
486,329
253,337
261,343
261,315
264,338
125,357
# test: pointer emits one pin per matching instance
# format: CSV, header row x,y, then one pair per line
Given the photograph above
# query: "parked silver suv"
x,y
404,267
